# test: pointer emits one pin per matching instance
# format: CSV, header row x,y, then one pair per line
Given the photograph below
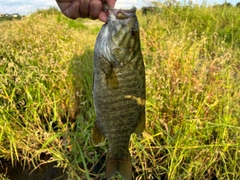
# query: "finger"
x,y
95,9
102,17
64,5
111,2
84,8
72,11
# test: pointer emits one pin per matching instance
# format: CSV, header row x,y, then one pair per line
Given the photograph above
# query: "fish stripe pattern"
x,y
118,88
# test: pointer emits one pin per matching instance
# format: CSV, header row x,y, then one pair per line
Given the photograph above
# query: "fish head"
x,y
123,27
122,32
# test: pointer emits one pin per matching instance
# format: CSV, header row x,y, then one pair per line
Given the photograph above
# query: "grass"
x,y
191,55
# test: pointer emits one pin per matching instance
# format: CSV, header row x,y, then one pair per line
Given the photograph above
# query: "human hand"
x,y
84,8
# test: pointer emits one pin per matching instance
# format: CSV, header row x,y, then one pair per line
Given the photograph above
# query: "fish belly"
x,y
119,110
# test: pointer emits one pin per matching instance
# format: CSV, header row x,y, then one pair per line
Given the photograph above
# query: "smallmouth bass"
x,y
118,88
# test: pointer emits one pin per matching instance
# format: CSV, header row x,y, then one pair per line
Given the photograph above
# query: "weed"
x,y
191,55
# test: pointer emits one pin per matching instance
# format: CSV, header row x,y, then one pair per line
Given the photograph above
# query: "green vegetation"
x,y
192,57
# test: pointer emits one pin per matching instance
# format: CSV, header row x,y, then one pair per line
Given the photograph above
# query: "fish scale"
x,y
118,88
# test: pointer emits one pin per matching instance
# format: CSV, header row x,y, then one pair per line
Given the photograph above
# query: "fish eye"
x,y
132,31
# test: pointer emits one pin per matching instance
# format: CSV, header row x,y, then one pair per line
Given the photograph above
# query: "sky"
x,y
25,7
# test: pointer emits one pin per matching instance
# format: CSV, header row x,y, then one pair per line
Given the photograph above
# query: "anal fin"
x,y
141,125
98,137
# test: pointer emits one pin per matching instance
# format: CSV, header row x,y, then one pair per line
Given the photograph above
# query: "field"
x,y
191,54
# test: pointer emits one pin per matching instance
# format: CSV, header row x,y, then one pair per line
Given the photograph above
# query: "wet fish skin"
x,y
118,88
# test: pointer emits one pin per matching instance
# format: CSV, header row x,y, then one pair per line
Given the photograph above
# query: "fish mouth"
x,y
119,13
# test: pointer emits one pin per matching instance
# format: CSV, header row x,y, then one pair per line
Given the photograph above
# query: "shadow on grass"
x,y
46,171
78,136
91,165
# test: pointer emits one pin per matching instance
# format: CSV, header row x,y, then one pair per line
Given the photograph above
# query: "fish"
x,y
119,91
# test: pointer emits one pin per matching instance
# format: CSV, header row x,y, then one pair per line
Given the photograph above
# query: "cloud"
x,y
24,7
126,4
21,9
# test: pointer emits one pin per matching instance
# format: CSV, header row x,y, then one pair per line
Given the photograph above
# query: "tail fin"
x,y
123,166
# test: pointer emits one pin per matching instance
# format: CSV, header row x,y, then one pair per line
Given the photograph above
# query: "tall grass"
x,y
191,55
192,94
40,97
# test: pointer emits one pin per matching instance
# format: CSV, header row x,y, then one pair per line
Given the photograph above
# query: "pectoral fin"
x,y
111,79
110,75
98,137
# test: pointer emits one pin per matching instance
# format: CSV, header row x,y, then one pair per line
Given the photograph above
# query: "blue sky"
x,y
25,7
